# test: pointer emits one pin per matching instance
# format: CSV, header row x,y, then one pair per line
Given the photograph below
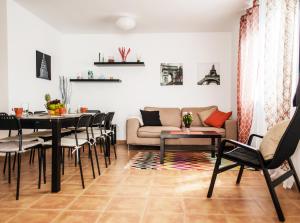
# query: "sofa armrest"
x,y
132,126
231,129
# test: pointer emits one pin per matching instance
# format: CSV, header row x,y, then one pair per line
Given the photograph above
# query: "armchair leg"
x,y
238,180
294,173
273,195
214,177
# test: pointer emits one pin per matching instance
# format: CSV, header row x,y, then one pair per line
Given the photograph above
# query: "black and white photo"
x,y
171,74
208,74
43,65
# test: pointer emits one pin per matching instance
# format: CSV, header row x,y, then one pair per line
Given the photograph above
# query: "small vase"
x,y
187,125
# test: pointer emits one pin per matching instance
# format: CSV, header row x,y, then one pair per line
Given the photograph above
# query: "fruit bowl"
x,y
55,108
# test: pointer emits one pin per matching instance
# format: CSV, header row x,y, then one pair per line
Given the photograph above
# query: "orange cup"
x,y
83,109
18,112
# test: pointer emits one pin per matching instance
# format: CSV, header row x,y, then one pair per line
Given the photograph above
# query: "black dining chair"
x,y
109,131
98,135
77,143
93,111
18,145
6,155
246,155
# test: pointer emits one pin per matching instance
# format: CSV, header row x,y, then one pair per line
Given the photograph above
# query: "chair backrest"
x,y
98,119
5,114
83,121
108,120
288,143
9,122
93,111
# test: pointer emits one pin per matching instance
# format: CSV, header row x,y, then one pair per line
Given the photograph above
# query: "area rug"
x,y
173,161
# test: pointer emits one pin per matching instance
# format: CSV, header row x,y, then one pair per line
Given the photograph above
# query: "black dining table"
x,y
55,123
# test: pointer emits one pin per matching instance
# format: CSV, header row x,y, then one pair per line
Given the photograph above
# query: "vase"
x,y
187,125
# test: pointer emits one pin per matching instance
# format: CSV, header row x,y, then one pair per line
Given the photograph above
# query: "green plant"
x,y
47,97
187,118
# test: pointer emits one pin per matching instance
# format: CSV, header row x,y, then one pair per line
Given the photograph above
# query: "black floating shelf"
x,y
119,64
95,80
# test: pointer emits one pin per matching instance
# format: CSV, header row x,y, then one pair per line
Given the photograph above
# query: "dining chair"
x,y
76,143
9,134
246,155
98,136
19,145
108,131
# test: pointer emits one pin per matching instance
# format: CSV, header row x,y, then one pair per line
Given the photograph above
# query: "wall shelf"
x,y
95,80
119,64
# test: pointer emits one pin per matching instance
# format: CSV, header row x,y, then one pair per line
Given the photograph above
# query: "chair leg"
x,y
273,195
30,158
40,157
18,176
33,155
115,151
14,164
5,162
80,167
9,168
44,164
295,173
92,162
108,149
63,161
97,161
238,180
103,148
214,177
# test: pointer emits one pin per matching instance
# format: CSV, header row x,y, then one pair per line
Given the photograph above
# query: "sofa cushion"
x,y
151,118
205,114
168,116
195,111
217,118
154,131
203,129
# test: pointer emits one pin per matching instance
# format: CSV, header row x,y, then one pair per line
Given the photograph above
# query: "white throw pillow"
x,y
271,140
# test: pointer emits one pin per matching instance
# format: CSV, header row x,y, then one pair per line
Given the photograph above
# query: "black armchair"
x,y
246,155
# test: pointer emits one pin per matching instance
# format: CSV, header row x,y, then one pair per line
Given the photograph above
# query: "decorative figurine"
x,y
123,53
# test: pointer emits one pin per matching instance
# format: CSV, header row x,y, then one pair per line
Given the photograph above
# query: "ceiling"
x,y
99,16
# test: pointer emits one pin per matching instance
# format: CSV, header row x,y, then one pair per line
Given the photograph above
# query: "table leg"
x,y
56,155
162,150
213,143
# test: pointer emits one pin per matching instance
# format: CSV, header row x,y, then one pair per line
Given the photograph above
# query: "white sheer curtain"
x,y
278,66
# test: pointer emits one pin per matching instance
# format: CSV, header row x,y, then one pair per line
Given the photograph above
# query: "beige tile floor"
x,y
149,196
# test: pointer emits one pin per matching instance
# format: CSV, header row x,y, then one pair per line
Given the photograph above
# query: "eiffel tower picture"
x,y
212,78
43,66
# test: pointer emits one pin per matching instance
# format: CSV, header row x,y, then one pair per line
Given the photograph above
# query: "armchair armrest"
x,y
241,145
231,129
251,138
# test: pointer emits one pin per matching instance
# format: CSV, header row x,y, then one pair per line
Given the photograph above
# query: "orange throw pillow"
x,y
217,118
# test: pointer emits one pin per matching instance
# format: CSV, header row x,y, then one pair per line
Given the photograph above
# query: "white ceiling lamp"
x,y
126,23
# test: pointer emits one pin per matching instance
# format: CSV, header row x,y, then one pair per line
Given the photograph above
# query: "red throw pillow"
x,y
217,118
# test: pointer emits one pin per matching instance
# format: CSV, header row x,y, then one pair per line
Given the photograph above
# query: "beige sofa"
x,y
171,119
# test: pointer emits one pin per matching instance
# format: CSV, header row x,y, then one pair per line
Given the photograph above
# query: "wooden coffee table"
x,y
187,134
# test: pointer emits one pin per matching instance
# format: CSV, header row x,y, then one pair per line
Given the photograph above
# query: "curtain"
x,y
279,22
248,62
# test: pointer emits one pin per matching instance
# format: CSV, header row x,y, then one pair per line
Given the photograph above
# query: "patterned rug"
x,y
173,161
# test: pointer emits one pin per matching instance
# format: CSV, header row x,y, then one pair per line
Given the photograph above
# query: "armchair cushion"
x,y
272,138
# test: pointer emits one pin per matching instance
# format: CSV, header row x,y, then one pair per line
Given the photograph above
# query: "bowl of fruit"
x,y
54,107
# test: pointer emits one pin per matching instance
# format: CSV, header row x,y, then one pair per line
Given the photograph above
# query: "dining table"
x,y
54,123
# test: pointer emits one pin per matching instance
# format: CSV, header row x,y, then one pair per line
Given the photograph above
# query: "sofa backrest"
x,y
168,116
195,110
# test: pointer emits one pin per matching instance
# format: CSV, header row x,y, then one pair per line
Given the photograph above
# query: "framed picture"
x,y
43,65
171,74
208,74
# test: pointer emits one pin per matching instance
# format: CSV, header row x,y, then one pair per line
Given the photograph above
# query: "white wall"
x,y
26,34
3,58
141,85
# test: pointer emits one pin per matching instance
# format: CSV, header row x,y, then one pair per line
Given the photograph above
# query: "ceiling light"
x,y
126,23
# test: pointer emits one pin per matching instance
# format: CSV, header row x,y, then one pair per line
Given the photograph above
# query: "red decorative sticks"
x,y
124,54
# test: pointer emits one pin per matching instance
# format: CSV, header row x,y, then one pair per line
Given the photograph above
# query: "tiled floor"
x,y
126,195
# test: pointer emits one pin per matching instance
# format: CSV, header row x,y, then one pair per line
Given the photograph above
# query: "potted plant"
x,y
187,119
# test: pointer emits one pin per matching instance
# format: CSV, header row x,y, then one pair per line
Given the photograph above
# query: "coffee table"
x,y
187,134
